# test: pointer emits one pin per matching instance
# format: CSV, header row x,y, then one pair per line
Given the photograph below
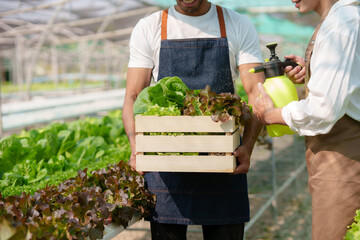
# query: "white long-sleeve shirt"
x,y
334,87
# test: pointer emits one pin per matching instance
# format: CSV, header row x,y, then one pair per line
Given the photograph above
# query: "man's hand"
x,y
137,79
133,163
242,154
253,127
297,74
262,104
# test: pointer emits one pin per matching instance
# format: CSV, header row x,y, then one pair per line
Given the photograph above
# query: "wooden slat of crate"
x,y
226,142
188,143
182,124
165,163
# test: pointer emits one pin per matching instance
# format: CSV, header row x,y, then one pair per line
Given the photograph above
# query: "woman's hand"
x,y
297,74
262,104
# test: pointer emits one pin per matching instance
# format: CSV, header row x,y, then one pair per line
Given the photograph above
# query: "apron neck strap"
x,y
164,24
220,18
221,21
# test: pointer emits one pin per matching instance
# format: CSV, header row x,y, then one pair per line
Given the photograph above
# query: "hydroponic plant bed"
x,y
69,180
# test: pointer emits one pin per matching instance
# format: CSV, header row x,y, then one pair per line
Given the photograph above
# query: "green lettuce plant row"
x,y
37,158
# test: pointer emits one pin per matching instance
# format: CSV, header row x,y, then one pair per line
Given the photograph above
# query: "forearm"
x,y
254,126
251,132
137,80
273,116
129,123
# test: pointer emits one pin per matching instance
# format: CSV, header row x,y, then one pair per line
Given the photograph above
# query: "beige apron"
x,y
333,162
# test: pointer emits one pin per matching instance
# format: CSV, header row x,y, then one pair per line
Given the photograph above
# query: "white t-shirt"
x,y
242,37
334,87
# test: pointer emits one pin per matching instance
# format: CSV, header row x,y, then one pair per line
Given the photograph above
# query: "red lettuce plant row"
x,y
78,208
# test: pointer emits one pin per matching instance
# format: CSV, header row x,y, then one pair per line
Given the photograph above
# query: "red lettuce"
x,y
220,107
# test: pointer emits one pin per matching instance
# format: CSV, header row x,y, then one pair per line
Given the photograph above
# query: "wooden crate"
x,y
221,138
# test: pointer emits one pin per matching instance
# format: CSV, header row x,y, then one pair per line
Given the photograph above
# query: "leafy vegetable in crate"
x,y
164,98
171,97
219,106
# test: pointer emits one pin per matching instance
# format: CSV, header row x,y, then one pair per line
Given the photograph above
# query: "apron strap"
x,y
164,24
220,14
221,21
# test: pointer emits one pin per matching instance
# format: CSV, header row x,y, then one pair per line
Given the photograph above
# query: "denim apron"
x,y
198,198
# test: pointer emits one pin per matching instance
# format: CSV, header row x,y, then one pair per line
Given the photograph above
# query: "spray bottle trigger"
x,y
289,62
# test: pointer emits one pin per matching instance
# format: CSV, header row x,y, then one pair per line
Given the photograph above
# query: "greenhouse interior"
x,y
64,152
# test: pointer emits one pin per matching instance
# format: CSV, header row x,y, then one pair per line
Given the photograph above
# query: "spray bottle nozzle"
x,y
271,47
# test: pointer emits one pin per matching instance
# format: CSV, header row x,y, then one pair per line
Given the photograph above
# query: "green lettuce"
x,y
169,92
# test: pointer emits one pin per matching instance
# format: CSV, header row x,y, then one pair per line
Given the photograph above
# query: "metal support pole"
x,y
54,65
83,52
297,183
108,68
19,53
12,69
1,81
274,180
117,71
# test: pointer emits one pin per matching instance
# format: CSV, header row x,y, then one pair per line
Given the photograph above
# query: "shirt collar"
x,y
342,3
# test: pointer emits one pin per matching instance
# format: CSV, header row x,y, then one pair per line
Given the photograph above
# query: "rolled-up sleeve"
x,y
329,88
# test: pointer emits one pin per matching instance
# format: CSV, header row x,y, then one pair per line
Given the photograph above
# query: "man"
x,y
329,117
203,44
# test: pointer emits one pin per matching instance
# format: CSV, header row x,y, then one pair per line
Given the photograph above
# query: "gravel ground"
x,y
288,218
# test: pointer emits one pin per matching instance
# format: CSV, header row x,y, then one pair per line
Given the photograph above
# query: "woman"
x,y
329,117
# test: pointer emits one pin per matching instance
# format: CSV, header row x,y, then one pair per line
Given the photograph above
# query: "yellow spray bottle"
x,y
279,87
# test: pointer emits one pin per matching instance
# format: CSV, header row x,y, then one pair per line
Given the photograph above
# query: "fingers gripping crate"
x,y
218,144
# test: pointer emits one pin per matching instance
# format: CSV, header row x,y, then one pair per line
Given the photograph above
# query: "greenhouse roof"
x,y
80,9
43,10
68,21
